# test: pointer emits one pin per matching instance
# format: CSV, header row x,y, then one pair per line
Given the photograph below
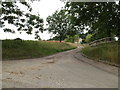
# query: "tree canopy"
x,y
22,20
59,23
101,18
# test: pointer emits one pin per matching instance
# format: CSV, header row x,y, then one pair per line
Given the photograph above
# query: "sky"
x,y
44,8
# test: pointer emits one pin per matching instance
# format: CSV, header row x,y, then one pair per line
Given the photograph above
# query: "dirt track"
x,y
61,70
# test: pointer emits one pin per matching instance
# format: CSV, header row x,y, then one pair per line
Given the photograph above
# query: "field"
x,y
109,52
19,49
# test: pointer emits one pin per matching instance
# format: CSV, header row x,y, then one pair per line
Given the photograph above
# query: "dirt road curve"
x,y
61,70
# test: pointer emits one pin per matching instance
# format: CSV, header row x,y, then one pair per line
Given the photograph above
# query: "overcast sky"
x,y
44,8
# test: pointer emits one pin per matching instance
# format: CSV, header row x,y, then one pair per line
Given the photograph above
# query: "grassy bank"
x,y
107,52
16,49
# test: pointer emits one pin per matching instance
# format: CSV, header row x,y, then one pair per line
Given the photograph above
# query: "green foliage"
x,y
68,39
101,17
76,38
88,38
19,49
72,39
22,20
107,52
59,23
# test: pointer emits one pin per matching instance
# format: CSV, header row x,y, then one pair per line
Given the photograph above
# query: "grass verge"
x,y
107,52
17,49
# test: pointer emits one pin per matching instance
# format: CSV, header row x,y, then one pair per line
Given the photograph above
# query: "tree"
x,y
72,39
101,18
57,23
88,38
22,20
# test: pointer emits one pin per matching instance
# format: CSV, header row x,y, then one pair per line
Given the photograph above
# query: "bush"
x,y
73,39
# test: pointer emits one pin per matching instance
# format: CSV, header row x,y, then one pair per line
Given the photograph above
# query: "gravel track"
x,y
60,70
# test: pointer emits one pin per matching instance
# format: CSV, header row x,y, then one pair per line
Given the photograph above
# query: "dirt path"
x,y
61,70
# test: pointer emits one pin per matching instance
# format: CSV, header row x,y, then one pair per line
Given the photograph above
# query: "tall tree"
x,y
59,24
101,17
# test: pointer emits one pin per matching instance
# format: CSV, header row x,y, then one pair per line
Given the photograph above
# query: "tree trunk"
x,y
60,38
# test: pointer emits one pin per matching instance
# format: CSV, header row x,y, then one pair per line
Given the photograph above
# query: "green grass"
x,y
16,49
107,52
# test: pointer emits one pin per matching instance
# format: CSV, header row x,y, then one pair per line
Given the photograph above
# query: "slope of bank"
x,y
106,52
20,49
